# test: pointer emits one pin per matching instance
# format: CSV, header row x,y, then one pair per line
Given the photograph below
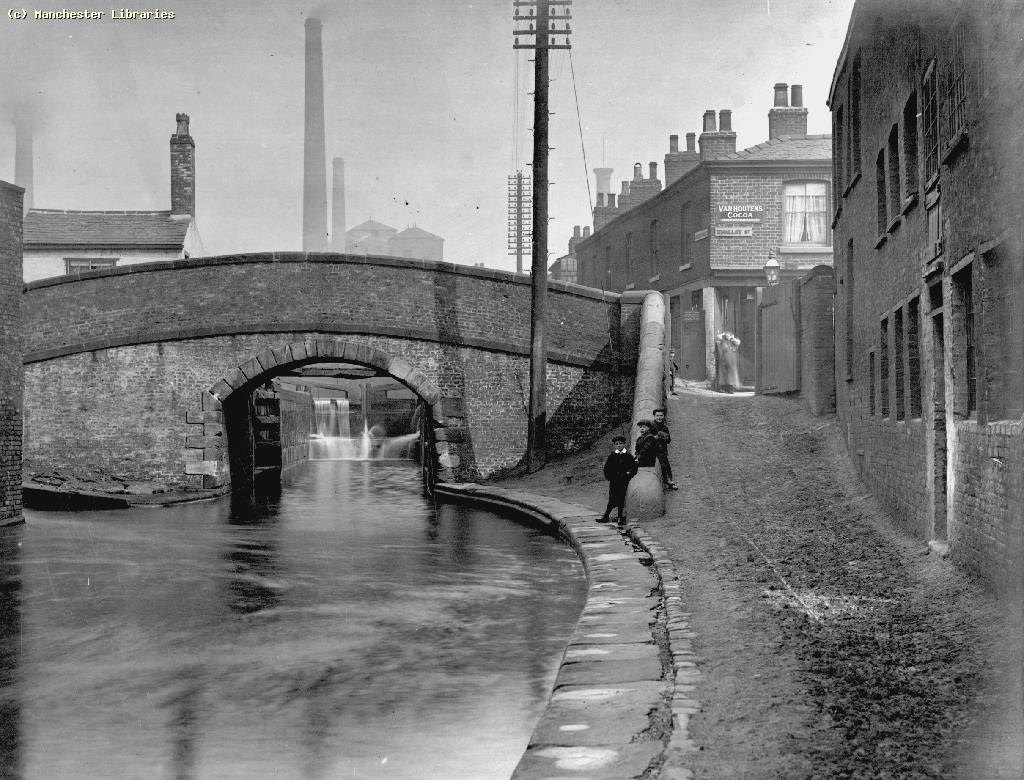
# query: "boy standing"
x,y
660,430
619,468
646,445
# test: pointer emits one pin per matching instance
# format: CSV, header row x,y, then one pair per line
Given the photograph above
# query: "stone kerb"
x,y
206,451
645,498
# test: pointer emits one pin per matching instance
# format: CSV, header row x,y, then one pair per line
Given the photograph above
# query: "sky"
x,y
426,101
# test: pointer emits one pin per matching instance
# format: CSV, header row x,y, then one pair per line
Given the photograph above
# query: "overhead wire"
x,y
579,123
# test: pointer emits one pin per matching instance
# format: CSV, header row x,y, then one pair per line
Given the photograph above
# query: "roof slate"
x,y
787,147
53,227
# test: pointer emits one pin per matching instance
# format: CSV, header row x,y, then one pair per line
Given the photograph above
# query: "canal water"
x,y
348,629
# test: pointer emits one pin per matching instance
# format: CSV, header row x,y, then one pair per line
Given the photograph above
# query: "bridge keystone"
x,y
298,350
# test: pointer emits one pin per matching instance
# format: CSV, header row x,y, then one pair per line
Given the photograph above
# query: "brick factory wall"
x,y
945,469
10,352
464,329
297,421
817,341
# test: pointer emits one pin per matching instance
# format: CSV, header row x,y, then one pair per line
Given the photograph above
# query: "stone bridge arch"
x,y
216,417
115,358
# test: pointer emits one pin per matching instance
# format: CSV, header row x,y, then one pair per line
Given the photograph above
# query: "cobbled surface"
x,y
830,644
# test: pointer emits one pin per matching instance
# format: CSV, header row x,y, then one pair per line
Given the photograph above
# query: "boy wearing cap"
x,y
646,445
660,430
619,468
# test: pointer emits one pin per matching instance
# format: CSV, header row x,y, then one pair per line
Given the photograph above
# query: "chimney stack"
x,y
314,190
718,143
638,172
784,118
678,163
338,206
653,167
183,169
23,157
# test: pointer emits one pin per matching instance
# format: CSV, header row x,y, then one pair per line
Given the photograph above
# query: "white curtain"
x,y
806,207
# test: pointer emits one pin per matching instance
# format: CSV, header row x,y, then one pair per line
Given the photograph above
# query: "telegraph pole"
x,y
541,18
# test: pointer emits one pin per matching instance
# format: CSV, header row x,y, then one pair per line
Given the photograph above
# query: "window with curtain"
x,y
806,209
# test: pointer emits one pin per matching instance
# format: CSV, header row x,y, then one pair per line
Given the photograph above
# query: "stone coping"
x,y
629,664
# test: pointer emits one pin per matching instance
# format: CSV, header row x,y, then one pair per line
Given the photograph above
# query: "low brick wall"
x,y
817,341
10,352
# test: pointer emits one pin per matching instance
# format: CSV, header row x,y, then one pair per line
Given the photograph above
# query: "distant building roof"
x,y
415,232
787,147
154,229
371,226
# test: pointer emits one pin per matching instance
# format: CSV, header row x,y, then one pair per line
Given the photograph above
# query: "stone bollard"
x,y
645,498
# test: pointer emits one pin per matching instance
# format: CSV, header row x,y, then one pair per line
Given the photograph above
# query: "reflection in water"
x,y
345,629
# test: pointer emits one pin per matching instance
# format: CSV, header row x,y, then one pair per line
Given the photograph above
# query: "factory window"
x,y
883,220
854,167
871,379
955,85
893,176
1003,323
655,262
806,207
883,366
930,118
965,354
76,265
848,284
898,365
910,146
913,325
838,152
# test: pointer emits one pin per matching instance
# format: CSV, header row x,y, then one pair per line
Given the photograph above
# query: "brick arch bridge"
x,y
128,370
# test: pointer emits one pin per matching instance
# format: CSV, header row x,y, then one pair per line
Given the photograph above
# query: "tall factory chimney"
x,y
314,190
338,207
23,175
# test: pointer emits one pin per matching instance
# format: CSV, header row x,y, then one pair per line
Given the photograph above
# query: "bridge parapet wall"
x,y
118,362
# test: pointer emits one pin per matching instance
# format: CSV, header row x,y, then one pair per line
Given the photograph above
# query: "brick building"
x,y
60,242
704,239
928,126
11,373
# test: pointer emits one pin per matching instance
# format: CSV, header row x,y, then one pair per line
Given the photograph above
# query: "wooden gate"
x,y
778,353
692,358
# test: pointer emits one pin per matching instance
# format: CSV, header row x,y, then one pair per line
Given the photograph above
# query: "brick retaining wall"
x,y
10,352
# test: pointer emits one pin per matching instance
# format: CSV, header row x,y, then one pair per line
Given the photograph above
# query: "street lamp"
x,y
771,269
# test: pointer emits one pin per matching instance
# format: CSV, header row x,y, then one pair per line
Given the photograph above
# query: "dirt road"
x,y
831,644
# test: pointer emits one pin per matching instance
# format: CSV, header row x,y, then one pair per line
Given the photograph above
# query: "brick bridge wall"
x,y
127,369
10,352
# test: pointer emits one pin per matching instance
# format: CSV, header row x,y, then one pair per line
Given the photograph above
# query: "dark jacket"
x,y
620,467
647,448
661,433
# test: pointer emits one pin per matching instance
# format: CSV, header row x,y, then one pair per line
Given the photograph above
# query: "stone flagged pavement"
x,y
615,680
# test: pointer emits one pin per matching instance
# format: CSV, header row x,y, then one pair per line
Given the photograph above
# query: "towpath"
x,y
830,643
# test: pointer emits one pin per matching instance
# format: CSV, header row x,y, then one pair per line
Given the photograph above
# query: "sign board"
x,y
739,210
739,231
700,235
